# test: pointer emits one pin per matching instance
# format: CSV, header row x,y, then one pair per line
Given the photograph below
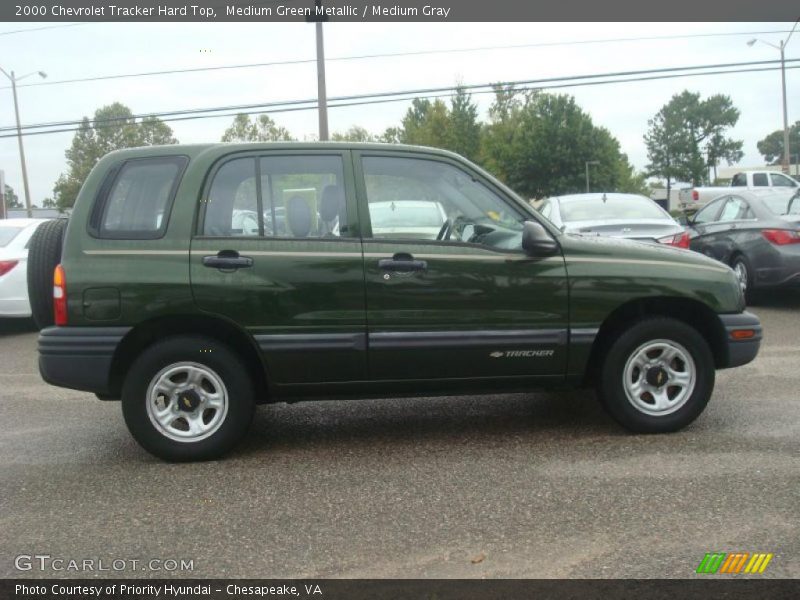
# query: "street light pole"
x,y
21,150
786,159
322,94
782,48
589,162
14,79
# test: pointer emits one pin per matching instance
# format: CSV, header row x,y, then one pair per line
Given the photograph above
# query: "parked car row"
x,y
756,234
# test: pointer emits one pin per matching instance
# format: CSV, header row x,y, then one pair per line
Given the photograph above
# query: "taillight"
x,y
695,195
781,237
680,240
6,266
59,296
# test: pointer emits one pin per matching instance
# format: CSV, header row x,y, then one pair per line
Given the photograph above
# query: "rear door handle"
x,y
402,263
227,260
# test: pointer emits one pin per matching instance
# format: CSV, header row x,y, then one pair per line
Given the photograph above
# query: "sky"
x,y
97,49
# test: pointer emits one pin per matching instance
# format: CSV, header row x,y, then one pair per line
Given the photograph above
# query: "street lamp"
x,y
14,79
589,162
781,48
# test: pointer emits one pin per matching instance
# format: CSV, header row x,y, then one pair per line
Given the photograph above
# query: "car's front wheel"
x,y
188,398
657,376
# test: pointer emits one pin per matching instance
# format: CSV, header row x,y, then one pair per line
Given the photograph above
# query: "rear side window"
x,y
760,180
138,202
277,196
735,209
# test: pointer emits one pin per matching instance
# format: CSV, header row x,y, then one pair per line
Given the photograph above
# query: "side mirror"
x,y
682,219
536,241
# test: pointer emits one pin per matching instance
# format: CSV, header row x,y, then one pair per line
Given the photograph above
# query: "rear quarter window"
x,y
136,199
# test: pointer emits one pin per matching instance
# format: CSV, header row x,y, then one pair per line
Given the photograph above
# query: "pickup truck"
x,y
761,183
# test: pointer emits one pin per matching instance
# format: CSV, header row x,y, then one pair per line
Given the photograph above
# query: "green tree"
x,y
391,135
688,136
454,127
261,129
354,134
112,128
771,147
11,198
48,203
464,131
539,145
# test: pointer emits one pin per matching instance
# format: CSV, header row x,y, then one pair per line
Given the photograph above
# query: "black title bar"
x,y
397,10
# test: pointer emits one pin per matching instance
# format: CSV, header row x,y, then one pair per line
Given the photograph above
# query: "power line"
x,y
30,29
246,107
299,61
288,107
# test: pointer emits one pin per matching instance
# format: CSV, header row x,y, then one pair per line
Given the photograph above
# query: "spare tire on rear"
x,y
44,253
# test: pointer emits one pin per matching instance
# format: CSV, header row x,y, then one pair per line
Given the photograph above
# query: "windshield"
x,y
778,206
614,207
400,214
7,234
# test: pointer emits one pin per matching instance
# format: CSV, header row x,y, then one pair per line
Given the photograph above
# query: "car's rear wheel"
x,y
188,398
44,253
657,376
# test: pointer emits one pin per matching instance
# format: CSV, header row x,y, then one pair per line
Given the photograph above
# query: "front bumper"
x,y
741,351
79,358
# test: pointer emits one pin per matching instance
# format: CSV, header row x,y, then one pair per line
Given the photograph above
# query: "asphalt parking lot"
x,y
526,485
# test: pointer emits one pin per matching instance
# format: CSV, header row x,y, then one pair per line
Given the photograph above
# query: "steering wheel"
x,y
446,231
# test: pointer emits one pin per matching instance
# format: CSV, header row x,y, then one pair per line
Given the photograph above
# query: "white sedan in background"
x,y
14,237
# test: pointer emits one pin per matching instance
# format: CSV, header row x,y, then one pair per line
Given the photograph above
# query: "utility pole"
x,y
322,94
3,195
589,162
14,79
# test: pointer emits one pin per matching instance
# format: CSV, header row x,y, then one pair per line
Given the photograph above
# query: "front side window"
x,y
277,196
138,203
760,180
739,180
782,181
707,214
419,199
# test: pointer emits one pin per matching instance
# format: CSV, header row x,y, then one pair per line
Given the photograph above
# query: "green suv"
x,y
197,281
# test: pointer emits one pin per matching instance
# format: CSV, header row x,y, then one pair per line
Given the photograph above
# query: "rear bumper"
x,y
740,352
79,358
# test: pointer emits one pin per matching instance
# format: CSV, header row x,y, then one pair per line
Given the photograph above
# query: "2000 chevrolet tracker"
x,y
197,281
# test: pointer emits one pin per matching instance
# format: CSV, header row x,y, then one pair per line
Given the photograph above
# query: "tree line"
x,y
538,143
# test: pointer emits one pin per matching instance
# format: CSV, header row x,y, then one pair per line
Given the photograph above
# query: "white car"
x,y
14,237
413,219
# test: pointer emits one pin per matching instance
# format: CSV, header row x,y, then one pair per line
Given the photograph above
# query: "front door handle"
x,y
227,260
402,263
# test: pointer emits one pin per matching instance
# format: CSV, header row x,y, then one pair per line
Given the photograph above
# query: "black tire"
x,y
611,386
44,253
740,260
209,354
